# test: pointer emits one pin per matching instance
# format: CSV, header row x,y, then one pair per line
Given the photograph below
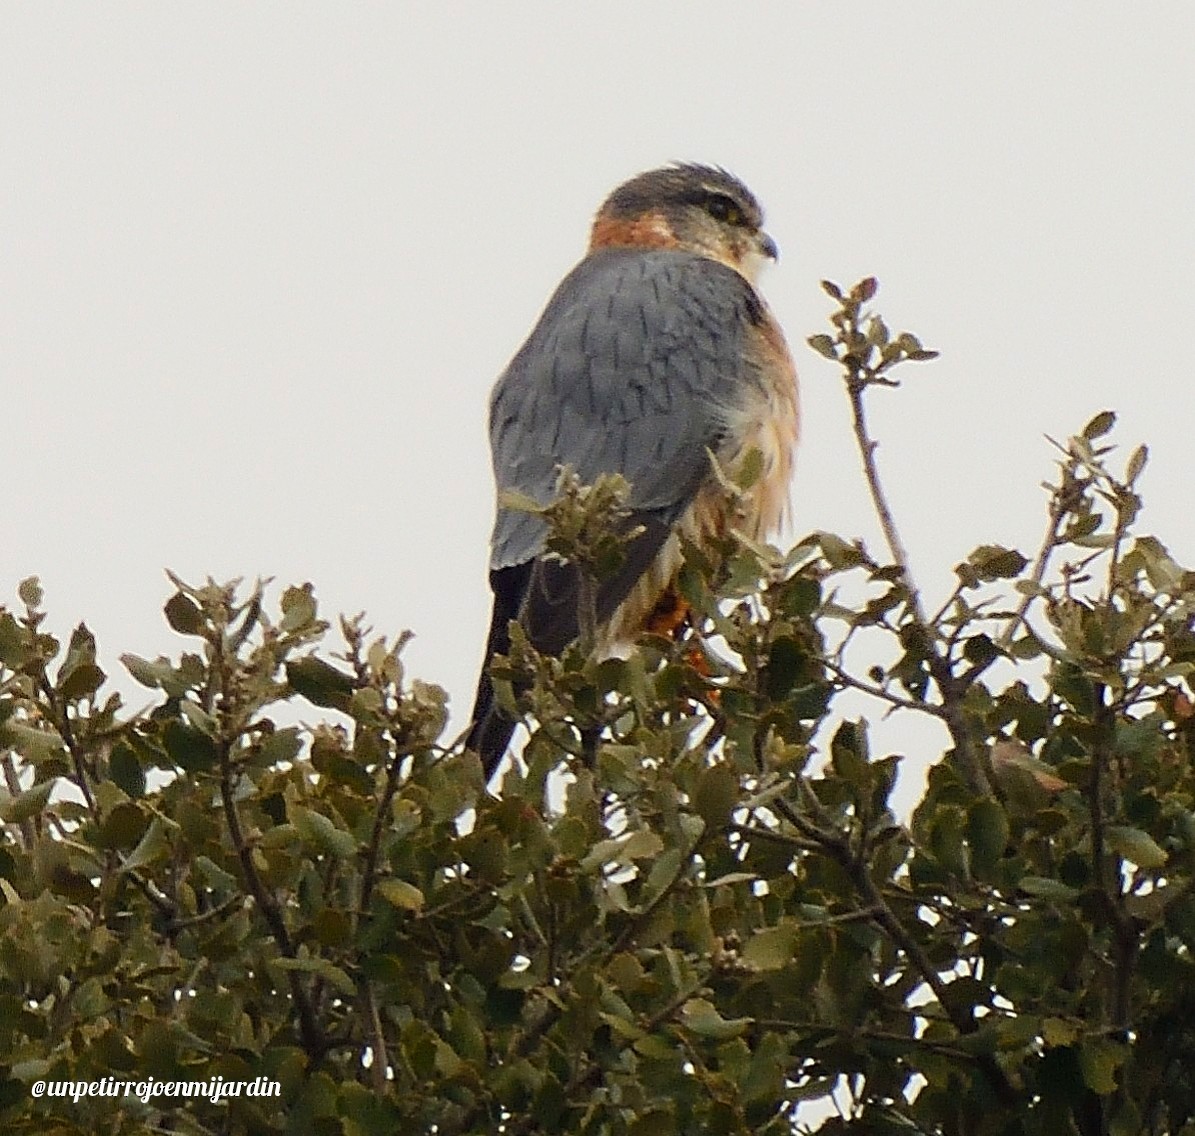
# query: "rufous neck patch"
x,y
650,230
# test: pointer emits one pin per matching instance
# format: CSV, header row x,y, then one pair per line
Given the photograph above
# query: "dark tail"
x,y
489,735
543,596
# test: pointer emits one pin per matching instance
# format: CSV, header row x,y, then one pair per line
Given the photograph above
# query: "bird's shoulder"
x,y
653,281
622,312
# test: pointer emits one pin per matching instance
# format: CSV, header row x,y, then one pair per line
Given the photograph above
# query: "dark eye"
x,y
723,209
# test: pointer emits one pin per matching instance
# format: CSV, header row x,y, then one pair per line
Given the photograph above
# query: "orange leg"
x,y
669,614
669,617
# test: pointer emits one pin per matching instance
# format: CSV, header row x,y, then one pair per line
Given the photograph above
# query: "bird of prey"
x,y
655,352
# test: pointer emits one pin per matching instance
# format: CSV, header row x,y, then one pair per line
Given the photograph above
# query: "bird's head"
x,y
701,209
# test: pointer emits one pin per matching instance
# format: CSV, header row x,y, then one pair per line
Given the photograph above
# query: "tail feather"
x,y
543,596
491,729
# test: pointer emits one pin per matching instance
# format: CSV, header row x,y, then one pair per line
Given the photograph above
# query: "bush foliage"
x,y
715,917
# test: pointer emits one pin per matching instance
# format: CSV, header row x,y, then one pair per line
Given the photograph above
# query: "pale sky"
x,y
261,263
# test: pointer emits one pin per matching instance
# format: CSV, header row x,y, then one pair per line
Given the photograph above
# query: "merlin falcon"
x,y
653,354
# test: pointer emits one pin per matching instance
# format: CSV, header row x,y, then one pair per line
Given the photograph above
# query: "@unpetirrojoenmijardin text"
x,y
214,1089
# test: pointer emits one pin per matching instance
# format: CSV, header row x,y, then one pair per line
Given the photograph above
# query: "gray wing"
x,y
631,369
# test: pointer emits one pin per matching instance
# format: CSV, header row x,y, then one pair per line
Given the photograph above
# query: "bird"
x,y
656,358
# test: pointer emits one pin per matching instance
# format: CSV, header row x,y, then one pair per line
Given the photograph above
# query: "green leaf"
x,y
642,844
1100,425
994,562
1056,1031
1099,1061
123,825
24,806
1136,464
321,966
321,833
35,744
1135,845
183,614
801,595
786,664
30,591
298,608
125,770
320,683
400,894
14,652
663,873
980,649
215,876
839,553
1016,1033
152,846
189,748
703,1019
82,682
280,746
987,833
145,672
716,794
1045,888
824,346
771,948
865,289
199,718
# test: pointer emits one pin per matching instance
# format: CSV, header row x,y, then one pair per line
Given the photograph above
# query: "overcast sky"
x,y
261,263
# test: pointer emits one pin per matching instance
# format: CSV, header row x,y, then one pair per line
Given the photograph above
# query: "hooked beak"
x,y
767,246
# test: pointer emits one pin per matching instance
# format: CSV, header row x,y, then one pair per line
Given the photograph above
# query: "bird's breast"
x,y
765,419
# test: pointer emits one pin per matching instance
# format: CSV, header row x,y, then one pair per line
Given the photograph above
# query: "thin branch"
x,y
380,820
380,1062
164,904
755,832
13,781
1060,505
177,925
63,724
312,1035
1108,871
889,921
897,700
861,375
854,1033
940,614
856,384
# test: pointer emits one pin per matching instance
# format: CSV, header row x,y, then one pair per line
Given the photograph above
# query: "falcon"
x,y
655,355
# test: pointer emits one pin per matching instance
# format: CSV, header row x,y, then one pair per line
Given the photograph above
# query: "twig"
x,y
1060,505
310,1032
63,723
756,832
1108,873
163,903
847,679
856,384
13,781
380,819
377,1039
889,921
176,925
861,374
854,1033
